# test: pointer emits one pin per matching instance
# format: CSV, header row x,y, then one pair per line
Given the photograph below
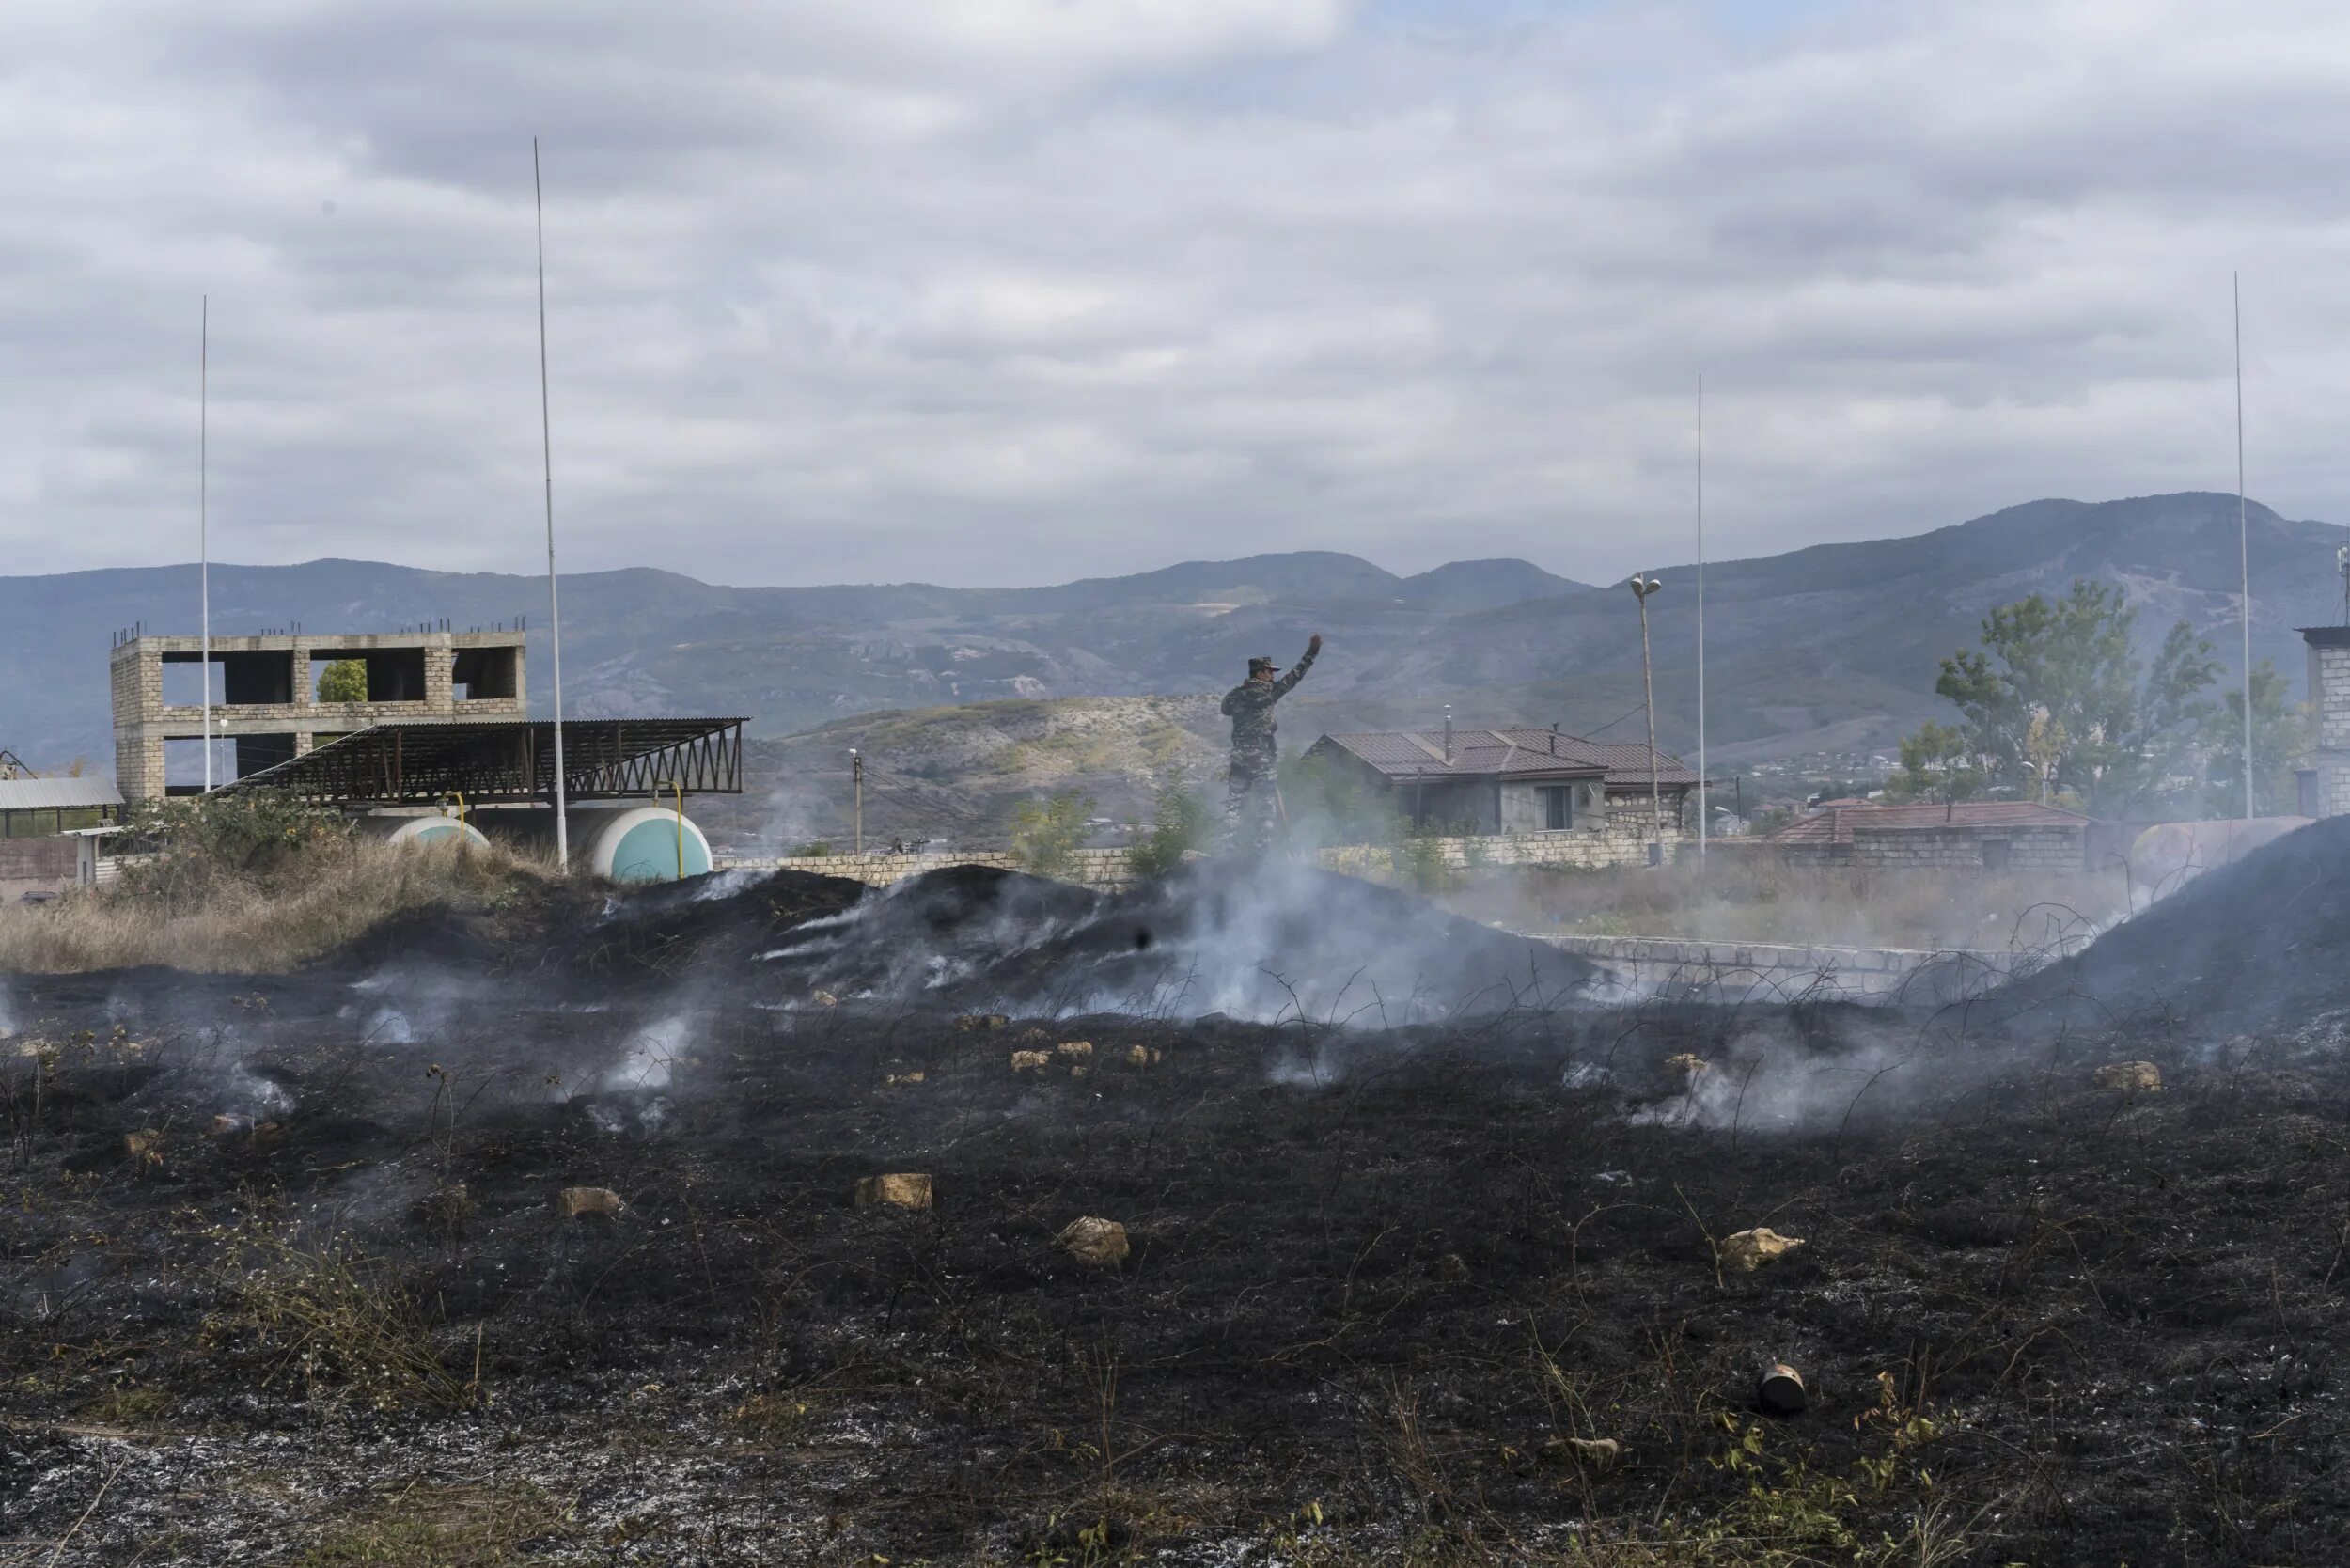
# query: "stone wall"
x,y
2033,849
1623,841
1106,869
36,866
1688,969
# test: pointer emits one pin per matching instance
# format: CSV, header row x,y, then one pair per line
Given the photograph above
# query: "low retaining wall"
x,y
1771,971
1624,843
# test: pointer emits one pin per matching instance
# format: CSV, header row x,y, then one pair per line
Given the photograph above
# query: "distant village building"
x,y
39,819
1969,834
1521,782
2324,771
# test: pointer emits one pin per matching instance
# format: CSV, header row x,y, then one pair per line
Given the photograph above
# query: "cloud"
x,y
1018,291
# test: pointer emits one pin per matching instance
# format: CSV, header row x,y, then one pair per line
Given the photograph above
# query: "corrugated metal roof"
x,y
1512,753
1838,824
42,794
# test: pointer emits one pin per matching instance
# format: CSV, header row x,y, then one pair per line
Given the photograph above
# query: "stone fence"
x,y
1769,971
1623,843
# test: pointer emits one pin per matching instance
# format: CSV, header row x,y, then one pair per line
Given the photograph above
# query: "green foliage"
x,y
2055,704
204,843
2280,731
815,849
1180,822
344,681
1046,832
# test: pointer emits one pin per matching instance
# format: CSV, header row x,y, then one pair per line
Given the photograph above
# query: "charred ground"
x,y
1375,1271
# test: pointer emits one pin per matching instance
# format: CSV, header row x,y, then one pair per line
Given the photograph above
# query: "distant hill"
x,y
1832,648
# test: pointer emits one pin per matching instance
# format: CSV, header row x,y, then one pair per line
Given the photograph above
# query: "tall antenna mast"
x,y
204,522
547,450
2243,540
1703,807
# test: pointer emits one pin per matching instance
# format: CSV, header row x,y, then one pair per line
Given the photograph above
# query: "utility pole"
x,y
856,777
2242,538
203,520
1642,588
546,449
1704,781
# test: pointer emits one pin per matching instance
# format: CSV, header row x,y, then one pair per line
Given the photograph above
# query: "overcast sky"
x,y
1019,291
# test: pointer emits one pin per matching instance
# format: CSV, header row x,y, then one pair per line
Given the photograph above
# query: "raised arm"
x,y
1281,688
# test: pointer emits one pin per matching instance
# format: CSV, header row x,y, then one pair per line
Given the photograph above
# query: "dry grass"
x,y
338,891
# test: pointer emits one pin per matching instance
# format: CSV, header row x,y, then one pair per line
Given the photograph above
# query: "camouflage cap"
x,y
1263,662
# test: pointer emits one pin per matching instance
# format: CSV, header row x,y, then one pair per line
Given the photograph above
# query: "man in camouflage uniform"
x,y
1249,803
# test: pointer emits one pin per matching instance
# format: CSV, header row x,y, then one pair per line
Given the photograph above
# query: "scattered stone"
x,y
590,1203
900,1190
898,1080
1032,1034
147,1145
1077,1072
1025,1061
1687,1067
1138,1056
1074,1048
969,1021
1748,1250
1779,1389
1450,1269
1596,1454
2130,1077
825,999
1093,1241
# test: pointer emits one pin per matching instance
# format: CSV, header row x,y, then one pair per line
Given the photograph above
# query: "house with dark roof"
x,y
1516,780
1978,835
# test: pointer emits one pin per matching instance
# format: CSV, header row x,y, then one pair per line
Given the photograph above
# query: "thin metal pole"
x,y
547,450
204,521
1703,801
2243,540
1648,688
856,775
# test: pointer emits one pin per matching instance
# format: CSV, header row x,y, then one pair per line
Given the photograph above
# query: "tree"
x,y
2280,731
1046,832
344,681
2056,701
1180,822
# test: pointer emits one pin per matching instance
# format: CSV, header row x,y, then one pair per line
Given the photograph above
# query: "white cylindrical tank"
x,y
426,829
638,843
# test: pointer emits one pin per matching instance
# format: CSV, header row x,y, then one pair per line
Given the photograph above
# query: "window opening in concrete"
x,y
1558,807
256,752
338,680
257,678
1995,855
483,674
396,675
183,763
183,680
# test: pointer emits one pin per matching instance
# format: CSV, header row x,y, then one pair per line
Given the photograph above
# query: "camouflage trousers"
x,y
1249,804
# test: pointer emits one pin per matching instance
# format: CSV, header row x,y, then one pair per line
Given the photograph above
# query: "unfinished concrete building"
x,y
2324,771
268,706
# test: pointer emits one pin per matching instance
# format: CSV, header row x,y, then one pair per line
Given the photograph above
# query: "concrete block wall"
x,y
1962,848
2329,693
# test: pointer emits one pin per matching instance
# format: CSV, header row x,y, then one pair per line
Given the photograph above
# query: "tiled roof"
x,y
1838,824
1510,753
43,794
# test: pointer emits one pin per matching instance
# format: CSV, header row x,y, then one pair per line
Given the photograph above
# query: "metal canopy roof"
x,y
48,794
489,761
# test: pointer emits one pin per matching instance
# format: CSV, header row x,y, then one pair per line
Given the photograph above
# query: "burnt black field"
x,y
286,1278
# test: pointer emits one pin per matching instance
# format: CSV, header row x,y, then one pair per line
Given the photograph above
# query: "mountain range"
x,y
1832,648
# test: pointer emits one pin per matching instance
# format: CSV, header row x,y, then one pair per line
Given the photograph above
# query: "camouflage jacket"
x,y
1250,705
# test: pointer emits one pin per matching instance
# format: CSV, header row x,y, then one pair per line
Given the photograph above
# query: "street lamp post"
x,y
1642,588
